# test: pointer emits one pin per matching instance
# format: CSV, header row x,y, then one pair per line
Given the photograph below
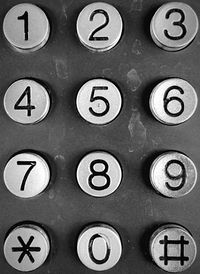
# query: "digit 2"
x,y
99,38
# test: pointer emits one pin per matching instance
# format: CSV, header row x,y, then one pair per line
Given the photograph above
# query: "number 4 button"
x,y
26,175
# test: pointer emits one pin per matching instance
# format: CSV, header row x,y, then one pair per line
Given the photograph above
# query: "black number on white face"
x,y
25,18
26,163
173,98
99,38
96,261
176,23
28,107
102,173
94,98
181,176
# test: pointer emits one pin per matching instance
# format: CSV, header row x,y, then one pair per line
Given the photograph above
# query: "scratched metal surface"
x,y
135,137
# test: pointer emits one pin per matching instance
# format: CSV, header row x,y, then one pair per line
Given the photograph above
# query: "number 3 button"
x,y
173,101
26,175
99,174
26,101
99,101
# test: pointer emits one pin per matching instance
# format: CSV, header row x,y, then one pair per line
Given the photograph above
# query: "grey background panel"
x,y
135,65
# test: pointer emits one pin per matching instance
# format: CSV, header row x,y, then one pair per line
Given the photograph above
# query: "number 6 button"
x,y
99,247
26,101
174,26
99,101
99,174
173,101
26,27
26,175
99,26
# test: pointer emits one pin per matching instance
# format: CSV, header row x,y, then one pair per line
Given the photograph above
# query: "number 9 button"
x,y
99,174
173,174
99,101
26,101
173,101
99,26
174,26
26,27
26,175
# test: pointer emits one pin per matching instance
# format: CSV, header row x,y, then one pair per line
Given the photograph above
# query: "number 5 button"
x,y
99,26
99,101
99,174
174,26
26,27
26,175
26,101
173,101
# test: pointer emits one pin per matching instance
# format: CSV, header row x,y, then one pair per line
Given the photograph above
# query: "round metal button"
x,y
99,26
99,174
99,101
26,101
99,247
173,174
26,247
26,175
26,27
174,26
173,101
173,248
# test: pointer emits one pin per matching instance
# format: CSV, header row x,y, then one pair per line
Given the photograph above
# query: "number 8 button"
x,y
26,175
99,174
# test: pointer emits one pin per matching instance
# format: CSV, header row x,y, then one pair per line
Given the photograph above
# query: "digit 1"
x,y
25,18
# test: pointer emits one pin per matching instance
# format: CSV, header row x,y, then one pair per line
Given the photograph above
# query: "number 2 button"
x,y
99,101
26,27
99,174
26,175
26,101
99,26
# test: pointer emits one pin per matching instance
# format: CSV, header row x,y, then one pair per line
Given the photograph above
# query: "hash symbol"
x,y
180,258
26,249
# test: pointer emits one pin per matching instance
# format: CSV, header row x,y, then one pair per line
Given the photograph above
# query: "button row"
x,y
99,247
99,174
99,101
100,26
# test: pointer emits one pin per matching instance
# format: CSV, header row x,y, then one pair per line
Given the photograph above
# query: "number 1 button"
x,y
26,175
26,101
99,101
26,27
99,26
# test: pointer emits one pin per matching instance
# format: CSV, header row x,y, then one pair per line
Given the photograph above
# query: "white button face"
x,y
26,27
99,174
99,101
26,101
99,26
174,26
173,248
173,101
99,247
26,175
173,174
26,247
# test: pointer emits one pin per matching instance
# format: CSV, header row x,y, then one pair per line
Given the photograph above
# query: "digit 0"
x,y
90,249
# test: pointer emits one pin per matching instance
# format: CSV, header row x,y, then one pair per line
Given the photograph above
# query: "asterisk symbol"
x,y
26,249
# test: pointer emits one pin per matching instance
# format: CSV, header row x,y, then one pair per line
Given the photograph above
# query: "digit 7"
x,y
32,164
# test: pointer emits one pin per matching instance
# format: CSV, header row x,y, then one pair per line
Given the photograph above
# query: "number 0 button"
x,y
26,247
26,101
174,26
26,27
99,26
99,174
99,101
173,174
99,247
173,101
26,175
